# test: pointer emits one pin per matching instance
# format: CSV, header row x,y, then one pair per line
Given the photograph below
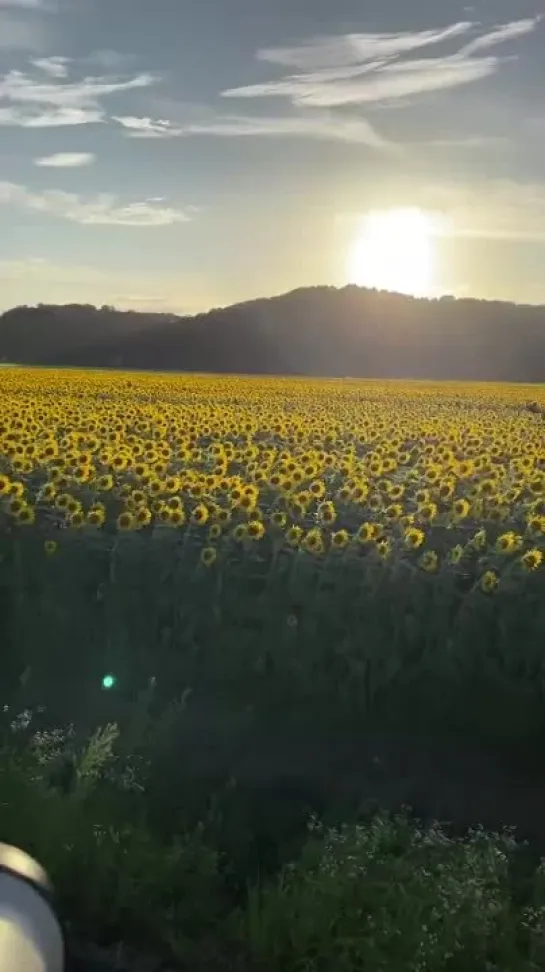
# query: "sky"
x,y
178,155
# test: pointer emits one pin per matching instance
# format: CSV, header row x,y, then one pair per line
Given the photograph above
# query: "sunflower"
x,y
429,562
455,554
25,516
313,541
76,520
366,533
143,516
489,582
532,559
239,532
200,514
508,542
208,556
51,547
340,539
479,540
15,505
278,519
327,512
255,530
427,512
294,536
5,486
393,512
94,518
126,522
414,538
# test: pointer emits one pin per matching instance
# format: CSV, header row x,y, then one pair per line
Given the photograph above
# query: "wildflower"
x,y
414,538
208,556
489,582
429,561
532,559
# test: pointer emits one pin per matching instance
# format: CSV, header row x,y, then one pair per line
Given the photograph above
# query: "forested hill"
x,y
312,331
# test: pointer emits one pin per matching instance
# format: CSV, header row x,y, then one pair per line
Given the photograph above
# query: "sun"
x,y
395,250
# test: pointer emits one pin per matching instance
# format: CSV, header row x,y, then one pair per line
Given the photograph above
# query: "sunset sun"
x,y
394,250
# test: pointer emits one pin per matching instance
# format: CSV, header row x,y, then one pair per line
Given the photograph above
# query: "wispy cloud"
x,y
100,210
366,68
500,209
316,125
509,32
345,49
66,160
37,103
55,67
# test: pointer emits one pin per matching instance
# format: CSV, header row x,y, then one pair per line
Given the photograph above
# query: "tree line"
x,y
326,331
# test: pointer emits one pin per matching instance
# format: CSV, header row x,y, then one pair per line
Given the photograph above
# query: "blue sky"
x,y
184,154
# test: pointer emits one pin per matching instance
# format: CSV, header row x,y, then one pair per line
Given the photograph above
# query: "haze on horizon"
x,y
195,153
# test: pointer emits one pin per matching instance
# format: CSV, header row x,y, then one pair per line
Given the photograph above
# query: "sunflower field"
x,y
342,543
214,593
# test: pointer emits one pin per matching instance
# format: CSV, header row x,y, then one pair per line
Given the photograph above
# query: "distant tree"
x,y
310,331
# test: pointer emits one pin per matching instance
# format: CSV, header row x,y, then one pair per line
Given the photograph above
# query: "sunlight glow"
x,y
395,250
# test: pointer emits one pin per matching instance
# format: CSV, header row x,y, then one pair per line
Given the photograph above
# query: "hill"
x,y
311,331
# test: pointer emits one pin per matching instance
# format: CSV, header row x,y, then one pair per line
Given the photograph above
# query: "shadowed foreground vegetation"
x,y
319,603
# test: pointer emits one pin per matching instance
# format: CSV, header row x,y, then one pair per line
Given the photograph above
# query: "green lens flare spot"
x,y
109,681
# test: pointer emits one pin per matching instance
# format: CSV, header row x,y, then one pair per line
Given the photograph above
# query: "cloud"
x,y
55,67
517,28
66,160
366,68
314,125
346,49
498,209
99,210
37,103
